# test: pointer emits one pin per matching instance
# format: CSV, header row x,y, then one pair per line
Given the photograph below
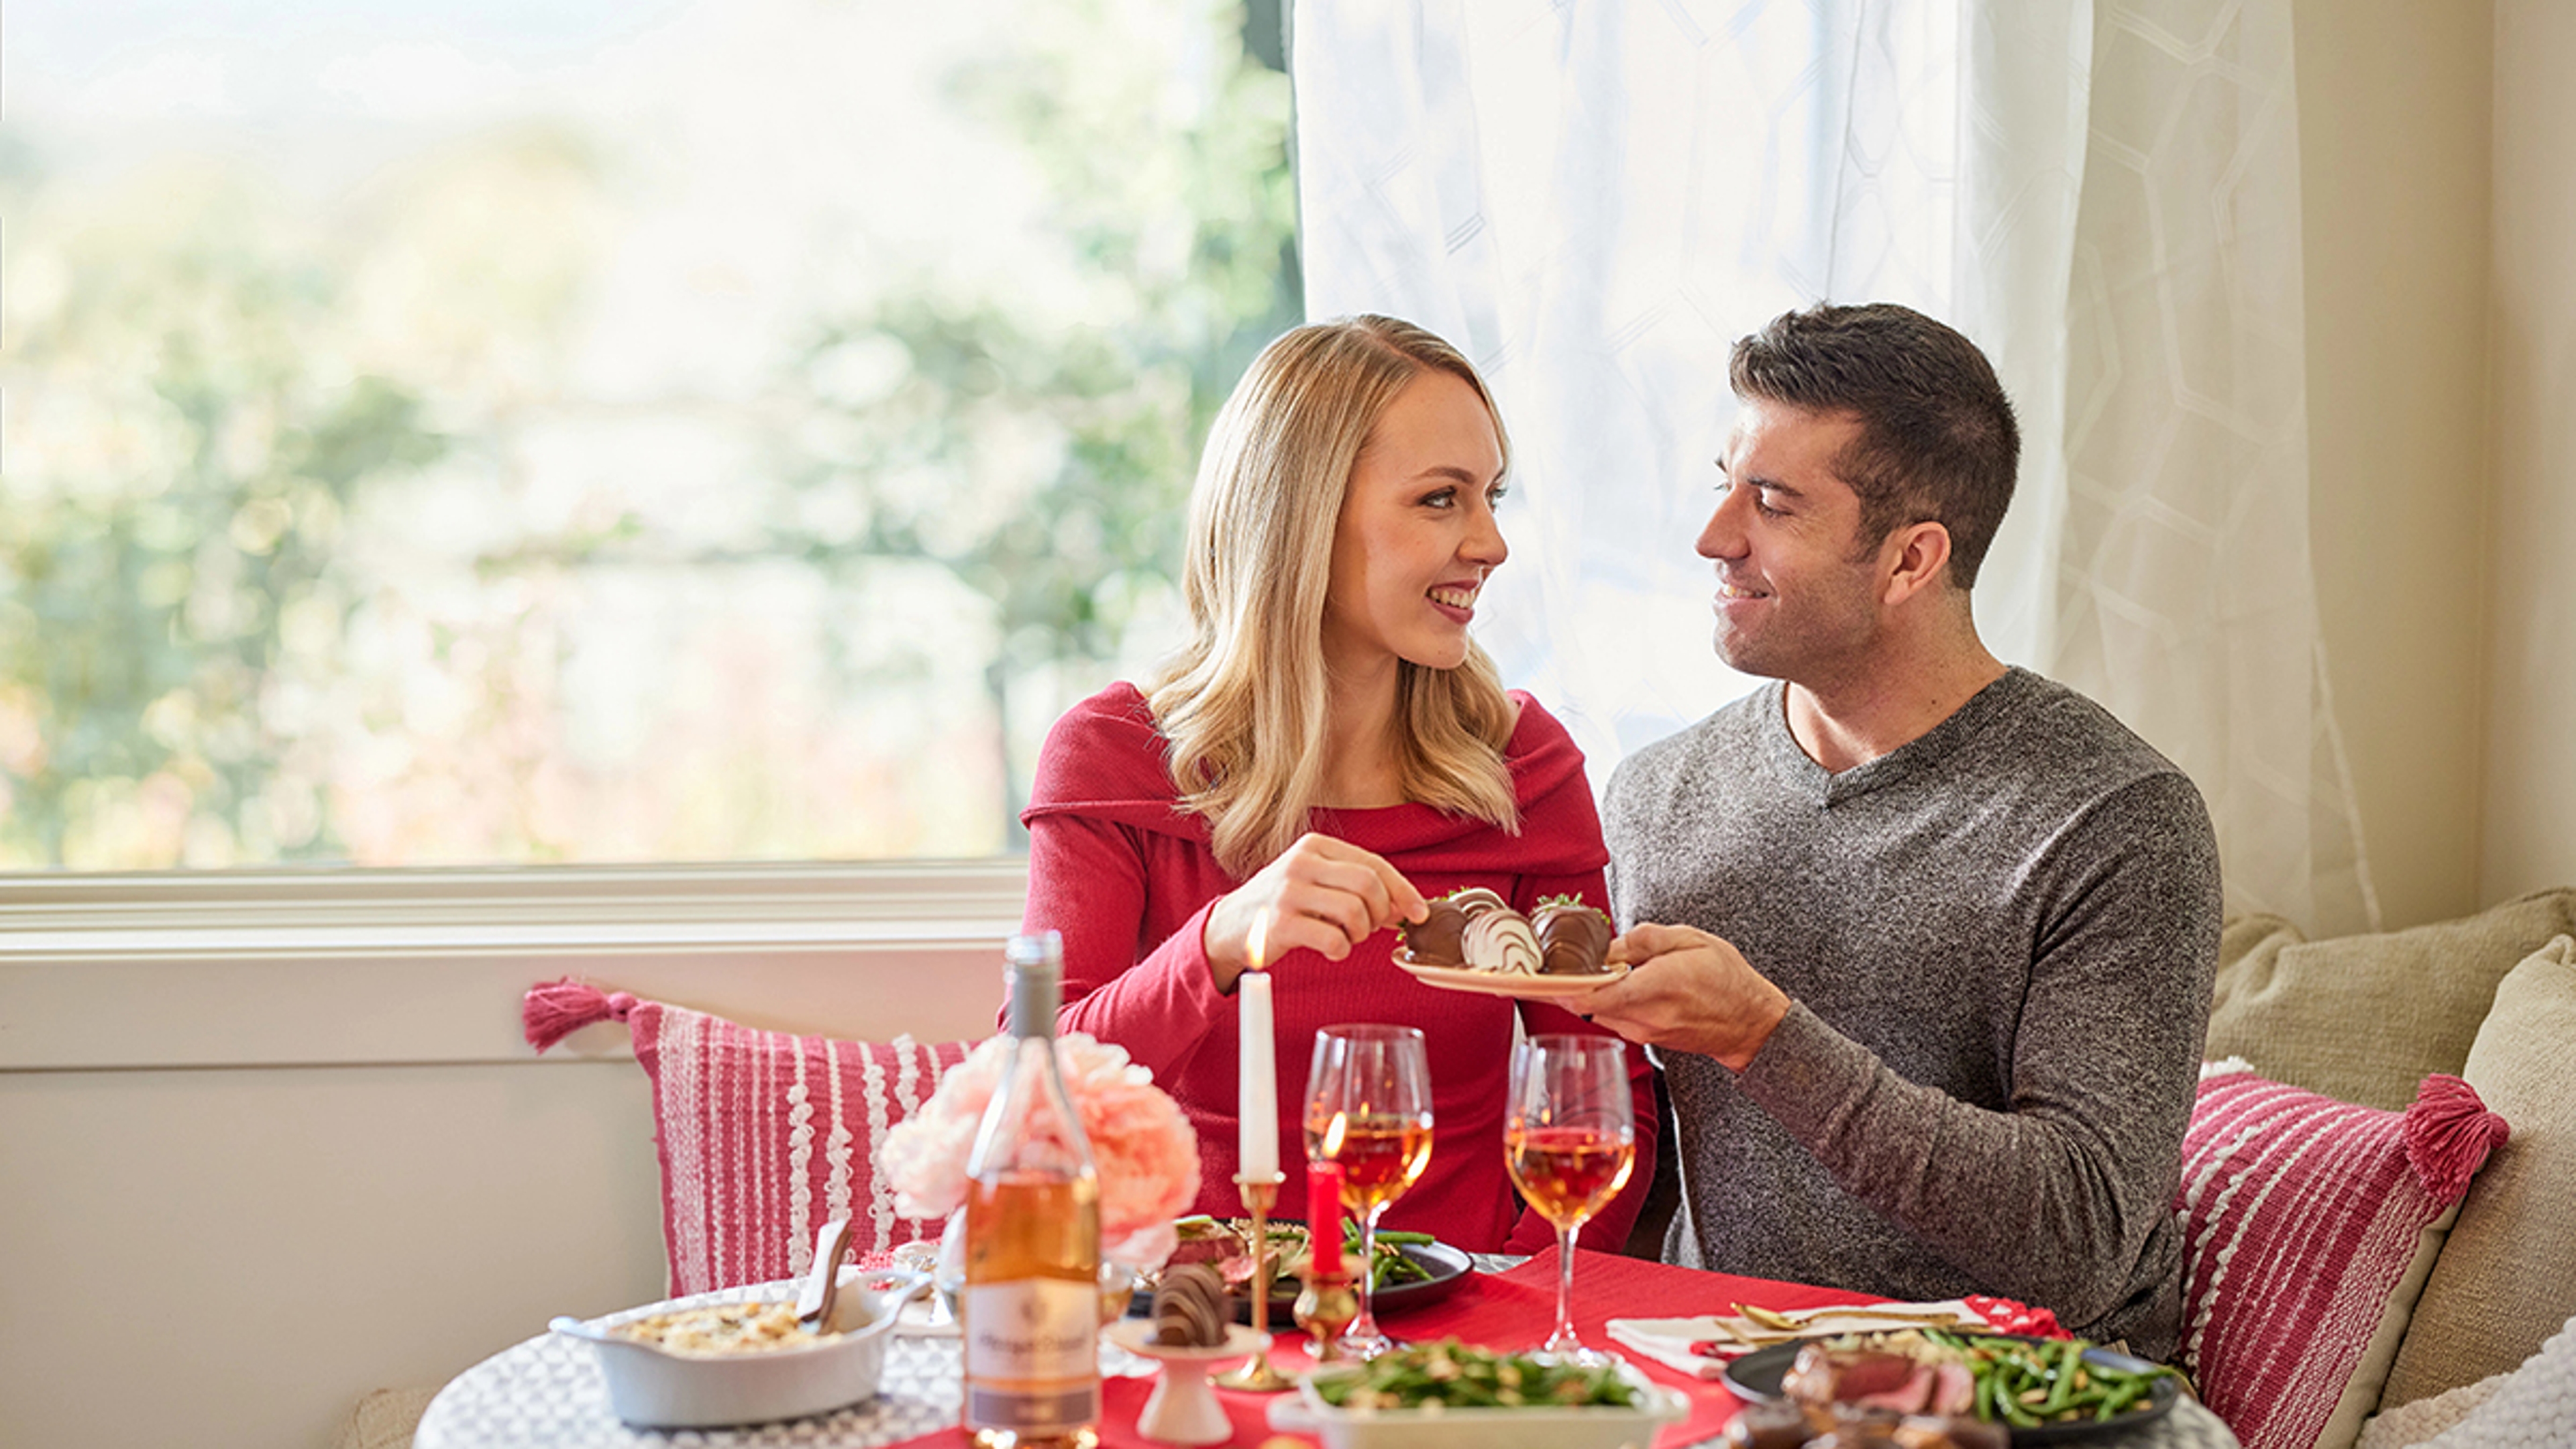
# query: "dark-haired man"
x,y
1923,943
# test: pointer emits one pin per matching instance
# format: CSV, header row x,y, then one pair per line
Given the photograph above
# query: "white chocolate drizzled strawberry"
x,y
1501,941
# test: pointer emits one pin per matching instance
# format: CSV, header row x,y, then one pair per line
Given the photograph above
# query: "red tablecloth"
x,y
1512,1312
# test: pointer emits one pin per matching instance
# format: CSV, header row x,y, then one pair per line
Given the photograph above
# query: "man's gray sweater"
x,y
1999,942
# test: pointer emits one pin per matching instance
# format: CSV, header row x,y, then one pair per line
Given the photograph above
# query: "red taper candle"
x,y
1324,1220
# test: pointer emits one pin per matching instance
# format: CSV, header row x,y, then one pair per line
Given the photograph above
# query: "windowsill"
x,y
349,967
101,906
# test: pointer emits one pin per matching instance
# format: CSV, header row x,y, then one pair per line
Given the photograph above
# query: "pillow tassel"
x,y
2449,1133
554,1010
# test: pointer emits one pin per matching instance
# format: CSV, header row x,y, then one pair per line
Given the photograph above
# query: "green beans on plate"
x,y
2027,1383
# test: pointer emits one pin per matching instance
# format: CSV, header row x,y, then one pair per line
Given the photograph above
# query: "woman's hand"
x,y
1321,895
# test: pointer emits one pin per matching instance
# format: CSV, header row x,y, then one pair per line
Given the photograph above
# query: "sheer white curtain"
x,y
1594,199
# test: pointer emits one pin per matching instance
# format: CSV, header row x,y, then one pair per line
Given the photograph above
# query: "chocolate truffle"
x,y
1190,1307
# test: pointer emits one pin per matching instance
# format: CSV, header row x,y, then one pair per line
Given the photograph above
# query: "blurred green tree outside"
x,y
1066,554
171,561
231,430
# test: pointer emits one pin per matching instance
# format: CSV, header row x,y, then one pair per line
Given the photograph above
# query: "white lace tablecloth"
x,y
548,1393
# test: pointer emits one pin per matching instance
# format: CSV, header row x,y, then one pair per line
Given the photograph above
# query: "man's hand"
x,y
1322,894
1686,990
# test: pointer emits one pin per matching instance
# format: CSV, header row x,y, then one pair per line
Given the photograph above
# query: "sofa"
x,y
2366,1020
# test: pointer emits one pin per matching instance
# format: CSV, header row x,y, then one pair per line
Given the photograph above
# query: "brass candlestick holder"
x,y
1256,1374
1326,1308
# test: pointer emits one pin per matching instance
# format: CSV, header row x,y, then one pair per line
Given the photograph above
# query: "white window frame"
x,y
357,967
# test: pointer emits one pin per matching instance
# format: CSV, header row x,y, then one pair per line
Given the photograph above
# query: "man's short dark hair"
x,y
1937,438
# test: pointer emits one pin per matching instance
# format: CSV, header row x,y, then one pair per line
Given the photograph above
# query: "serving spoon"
x,y
822,1290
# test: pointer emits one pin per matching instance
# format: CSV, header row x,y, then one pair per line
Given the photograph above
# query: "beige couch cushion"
x,y
2507,1279
2364,1018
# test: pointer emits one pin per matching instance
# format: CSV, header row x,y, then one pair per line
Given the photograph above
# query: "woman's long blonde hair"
x,y
1244,704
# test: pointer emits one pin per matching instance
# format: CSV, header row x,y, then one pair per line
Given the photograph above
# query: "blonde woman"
x,y
1329,748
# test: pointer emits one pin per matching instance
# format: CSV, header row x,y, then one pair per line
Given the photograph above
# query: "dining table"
x,y
548,1393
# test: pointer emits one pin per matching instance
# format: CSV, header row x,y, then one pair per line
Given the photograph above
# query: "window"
x,y
491,433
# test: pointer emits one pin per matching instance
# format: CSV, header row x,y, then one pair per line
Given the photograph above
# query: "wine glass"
x,y
1368,1107
1570,1139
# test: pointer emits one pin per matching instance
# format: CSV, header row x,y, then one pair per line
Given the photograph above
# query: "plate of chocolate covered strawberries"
x,y
1474,941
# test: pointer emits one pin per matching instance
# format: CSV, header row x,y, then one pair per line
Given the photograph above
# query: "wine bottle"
x,y
1030,1311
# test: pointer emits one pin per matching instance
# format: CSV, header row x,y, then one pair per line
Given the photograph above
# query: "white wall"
x,y
2393,137
2529,840
232,1257
2438,146
249,1173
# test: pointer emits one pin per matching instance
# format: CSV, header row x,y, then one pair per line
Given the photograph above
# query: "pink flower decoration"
x,y
1146,1154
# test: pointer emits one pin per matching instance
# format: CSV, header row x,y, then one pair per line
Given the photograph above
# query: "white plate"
x,y
1499,983
648,1387
1136,1335
1594,1427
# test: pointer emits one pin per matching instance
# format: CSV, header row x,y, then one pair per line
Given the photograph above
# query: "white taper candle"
x,y
1257,1100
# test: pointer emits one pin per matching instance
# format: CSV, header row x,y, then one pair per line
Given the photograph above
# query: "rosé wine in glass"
x,y
1368,1107
1569,1140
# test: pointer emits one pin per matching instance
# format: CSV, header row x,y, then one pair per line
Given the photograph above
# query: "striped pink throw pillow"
x,y
2310,1227
764,1136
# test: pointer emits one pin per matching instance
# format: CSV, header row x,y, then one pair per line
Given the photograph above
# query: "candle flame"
x,y
1256,958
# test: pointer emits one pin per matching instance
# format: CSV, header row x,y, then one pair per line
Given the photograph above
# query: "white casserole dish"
x,y
651,1387
1443,1428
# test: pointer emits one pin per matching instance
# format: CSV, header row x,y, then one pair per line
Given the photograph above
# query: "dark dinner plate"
x,y
1757,1375
1445,1265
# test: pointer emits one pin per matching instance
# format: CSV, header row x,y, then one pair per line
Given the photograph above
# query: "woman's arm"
x,y
1090,881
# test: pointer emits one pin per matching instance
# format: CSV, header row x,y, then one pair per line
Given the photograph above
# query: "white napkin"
x,y
1703,1346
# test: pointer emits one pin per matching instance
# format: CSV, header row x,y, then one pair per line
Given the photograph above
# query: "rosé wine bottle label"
x,y
1031,1355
